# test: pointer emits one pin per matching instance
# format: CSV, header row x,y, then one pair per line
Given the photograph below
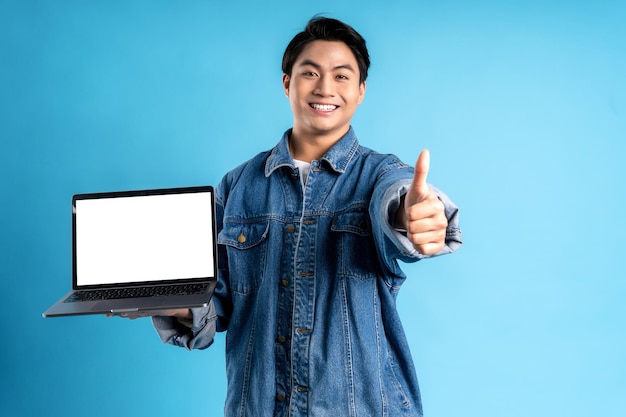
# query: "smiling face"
x,y
324,92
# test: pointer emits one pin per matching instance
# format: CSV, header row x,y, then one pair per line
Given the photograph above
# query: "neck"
x,y
308,148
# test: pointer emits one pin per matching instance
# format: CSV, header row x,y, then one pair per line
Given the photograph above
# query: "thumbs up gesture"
x,y
422,214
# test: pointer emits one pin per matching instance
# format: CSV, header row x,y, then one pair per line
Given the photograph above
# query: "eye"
x,y
309,74
342,77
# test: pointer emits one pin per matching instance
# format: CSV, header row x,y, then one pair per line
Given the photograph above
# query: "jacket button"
x,y
281,339
241,238
281,397
291,228
284,283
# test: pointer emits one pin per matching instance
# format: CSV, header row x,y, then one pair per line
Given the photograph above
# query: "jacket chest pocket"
x,y
246,246
355,241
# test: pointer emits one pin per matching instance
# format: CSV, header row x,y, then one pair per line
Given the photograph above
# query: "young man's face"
x,y
324,90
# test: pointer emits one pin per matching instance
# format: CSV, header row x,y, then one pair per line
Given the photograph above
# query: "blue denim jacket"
x,y
308,284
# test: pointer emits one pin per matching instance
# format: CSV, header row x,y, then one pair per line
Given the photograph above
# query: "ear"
x,y
286,81
361,92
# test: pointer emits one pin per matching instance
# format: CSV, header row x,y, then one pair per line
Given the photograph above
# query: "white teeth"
x,y
324,107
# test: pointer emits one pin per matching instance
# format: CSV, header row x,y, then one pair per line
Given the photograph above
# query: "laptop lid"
x,y
143,237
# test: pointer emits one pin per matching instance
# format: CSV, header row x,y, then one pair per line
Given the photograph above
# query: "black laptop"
x,y
135,251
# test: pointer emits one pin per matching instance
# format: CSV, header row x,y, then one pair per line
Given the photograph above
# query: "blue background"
x,y
522,104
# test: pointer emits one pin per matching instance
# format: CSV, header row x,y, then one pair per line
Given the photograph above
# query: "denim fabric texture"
x,y
308,279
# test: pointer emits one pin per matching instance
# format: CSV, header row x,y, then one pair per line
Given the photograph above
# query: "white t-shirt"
x,y
304,168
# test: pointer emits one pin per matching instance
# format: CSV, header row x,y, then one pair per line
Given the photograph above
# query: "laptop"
x,y
135,251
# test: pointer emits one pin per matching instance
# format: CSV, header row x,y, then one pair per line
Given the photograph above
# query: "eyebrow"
x,y
318,66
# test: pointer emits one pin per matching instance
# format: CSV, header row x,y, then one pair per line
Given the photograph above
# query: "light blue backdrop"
x,y
522,104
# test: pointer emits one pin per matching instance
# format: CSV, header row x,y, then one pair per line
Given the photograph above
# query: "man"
x,y
310,233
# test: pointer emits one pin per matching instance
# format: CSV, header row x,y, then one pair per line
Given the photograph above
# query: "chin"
x,y
323,130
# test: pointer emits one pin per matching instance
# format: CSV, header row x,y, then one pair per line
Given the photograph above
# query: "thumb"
x,y
419,188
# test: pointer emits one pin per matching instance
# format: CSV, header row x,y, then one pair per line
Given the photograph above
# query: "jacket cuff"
x,y
197,333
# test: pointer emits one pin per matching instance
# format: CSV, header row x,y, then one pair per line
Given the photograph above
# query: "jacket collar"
x,y
338,156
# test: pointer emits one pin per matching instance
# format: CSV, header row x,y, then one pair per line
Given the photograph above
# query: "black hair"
x,y
327,29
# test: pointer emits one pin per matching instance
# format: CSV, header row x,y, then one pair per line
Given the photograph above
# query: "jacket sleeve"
x,y
192,334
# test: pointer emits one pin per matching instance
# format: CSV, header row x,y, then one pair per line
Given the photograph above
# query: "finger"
x,y
431,224
427,208
431,236
427,243
419,187
429,248
422,166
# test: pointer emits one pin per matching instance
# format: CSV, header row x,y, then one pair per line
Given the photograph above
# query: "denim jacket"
x,y
308,279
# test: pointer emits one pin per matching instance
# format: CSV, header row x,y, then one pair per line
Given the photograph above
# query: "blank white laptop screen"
x,y
144,238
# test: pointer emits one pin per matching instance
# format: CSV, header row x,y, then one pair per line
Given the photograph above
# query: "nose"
x,y
324,87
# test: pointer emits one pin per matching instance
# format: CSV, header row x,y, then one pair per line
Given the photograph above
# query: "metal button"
x,y
241,238
281,339
291,228
281,397
284,283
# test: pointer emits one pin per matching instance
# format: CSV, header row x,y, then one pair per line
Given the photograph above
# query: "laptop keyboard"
x,y
137,292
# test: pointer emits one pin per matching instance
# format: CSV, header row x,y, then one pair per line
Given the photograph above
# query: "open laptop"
x,y
142,250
